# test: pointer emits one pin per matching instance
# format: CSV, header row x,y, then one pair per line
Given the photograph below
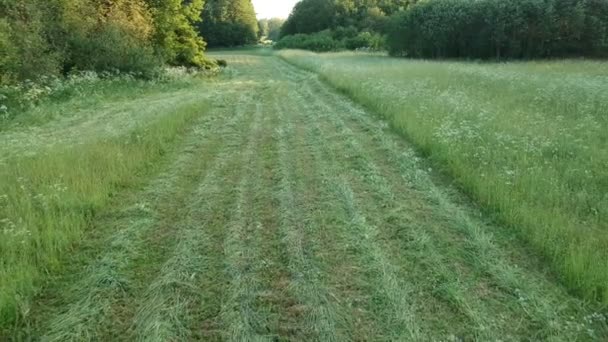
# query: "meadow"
x,y
66,151
527,140
262,204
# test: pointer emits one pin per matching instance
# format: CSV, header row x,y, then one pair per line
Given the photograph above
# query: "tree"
x,y
176,37
271,28
274,28
229,23
310,16
263,28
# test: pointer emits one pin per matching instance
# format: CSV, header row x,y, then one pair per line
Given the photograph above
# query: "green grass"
x,y
51,188
286,212
527,140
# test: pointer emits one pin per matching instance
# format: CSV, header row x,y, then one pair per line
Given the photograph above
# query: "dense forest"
x,y
501,29
58,37
324,25
452,28
229,23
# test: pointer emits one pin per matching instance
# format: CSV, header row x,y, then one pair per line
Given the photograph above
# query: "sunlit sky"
x,y
273,8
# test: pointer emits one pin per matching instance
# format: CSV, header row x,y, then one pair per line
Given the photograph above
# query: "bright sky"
x,y
273,8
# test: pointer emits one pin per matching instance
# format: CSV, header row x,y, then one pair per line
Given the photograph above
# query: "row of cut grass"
x,y
527,140
49,198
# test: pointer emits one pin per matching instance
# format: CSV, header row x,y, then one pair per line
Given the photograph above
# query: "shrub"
x,y
365,40
25,51
333,41
110,49
501,29
320,42
47,38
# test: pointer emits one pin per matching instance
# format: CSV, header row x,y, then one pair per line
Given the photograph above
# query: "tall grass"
x,y
48,198
529,141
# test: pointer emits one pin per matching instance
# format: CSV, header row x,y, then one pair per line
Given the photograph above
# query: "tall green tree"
x,y
274,28
271,28
263,28
229,23
176,36
106,35
309,16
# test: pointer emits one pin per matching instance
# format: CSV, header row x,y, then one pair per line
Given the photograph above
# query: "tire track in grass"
x,y
531,310
529,296
371,187
382,288
244,316
334,258
319,316
172,307
91,303
450,281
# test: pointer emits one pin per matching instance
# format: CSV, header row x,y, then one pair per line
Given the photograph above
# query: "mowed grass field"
x,y
528,141
263,205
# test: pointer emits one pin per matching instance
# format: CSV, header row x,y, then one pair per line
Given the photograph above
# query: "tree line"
x,y
501,29
480,29
55,37
324,25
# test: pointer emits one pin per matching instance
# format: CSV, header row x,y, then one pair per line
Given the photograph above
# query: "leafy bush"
x,y
366,40
110,49
320,42
48,38
175,37
501,29
229,23
333,41
25,50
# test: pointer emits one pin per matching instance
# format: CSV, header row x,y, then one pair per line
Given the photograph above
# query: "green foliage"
x,y
25,50
229,23
501,29
310,16
110,49
320,42
353,24
339,39
175,37
46,38
262,28
365,40
271,28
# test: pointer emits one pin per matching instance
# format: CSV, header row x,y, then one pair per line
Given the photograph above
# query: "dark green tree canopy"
x,y
324,25
310,16
497,29
52,37
229,23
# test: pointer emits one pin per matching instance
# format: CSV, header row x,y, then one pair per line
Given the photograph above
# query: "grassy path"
x,y
290,214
